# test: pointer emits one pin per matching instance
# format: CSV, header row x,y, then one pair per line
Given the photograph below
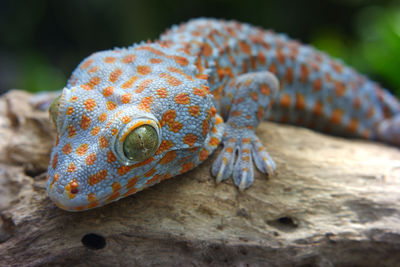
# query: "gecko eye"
x,y
141,143
53,110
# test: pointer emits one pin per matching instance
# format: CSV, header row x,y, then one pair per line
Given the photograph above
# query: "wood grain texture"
x,y
331,202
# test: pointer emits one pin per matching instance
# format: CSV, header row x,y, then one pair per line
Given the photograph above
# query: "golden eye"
x,y
53,110
141,143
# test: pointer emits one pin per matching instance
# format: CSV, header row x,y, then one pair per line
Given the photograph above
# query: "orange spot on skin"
x,y
71,131
108,91
85,122
86,64
129,83
218,120
109,59
149,173
155,60
145,103
201,91
97,177
71,167
260,113
254,96
125,119
336,117
214,141
93,70
203,154
169,156
207,50
205,127
143,86
143,70
280,56
89,104
82,149
300,102
175,126
273,69
162,93
187,167
246,141
156,178
236,113
91,197
182,98
285,100
111,105
116,186
171,80
132,182
194,110
304,73
318,108
181,60
102,117
190,139
165,145
70,110
113,196
340,88
111,157
90,159
67,149
115,131
126,98
128,59
55,161
261,58
289,76
245,47
95,130
353,125
357,103
317,85
115,75
264,89
370,112
366,134
93,205
103,142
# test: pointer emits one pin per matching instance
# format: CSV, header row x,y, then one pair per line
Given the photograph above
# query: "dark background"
x,y
42,41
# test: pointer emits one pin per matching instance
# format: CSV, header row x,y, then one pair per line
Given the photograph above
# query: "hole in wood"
x,y
93,241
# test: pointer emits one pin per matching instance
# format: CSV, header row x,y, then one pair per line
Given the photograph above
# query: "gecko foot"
x,y
241,149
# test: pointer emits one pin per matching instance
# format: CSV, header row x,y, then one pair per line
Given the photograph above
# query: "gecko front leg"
x,y
245,101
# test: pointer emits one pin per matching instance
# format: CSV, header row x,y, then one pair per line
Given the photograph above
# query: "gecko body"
x,y
131,117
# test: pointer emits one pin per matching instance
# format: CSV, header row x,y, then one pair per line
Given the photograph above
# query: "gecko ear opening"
x,y
53,110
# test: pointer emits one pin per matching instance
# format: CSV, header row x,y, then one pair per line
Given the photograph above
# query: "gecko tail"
x,y
388,130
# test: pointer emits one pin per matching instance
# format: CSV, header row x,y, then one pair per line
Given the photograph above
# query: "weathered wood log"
x,y
331,202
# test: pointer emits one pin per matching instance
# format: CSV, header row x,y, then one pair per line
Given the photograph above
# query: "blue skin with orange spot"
x,y
185,86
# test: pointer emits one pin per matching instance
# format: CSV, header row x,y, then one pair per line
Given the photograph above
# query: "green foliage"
x,y
39,75
376,49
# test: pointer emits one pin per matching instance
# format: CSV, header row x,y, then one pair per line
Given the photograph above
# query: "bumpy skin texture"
x,y
185,85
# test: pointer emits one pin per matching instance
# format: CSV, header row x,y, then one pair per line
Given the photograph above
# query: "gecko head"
x,y
113,142
95,150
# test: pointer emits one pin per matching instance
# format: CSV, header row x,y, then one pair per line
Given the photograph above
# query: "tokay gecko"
x,y
129,118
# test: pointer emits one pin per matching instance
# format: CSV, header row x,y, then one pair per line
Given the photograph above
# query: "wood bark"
x,y
331,202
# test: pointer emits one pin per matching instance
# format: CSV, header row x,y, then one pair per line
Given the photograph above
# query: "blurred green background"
x,y
42,41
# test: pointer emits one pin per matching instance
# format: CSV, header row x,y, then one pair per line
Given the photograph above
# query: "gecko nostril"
x,y
74,190
93,241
